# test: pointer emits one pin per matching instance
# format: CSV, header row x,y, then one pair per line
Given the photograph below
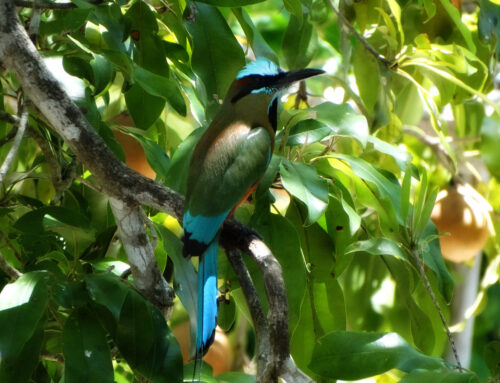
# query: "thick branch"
x,y
140,254
238,236
255,307
278,307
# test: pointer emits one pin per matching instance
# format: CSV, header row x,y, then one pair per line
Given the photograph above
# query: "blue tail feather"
x,y
207,298
199,232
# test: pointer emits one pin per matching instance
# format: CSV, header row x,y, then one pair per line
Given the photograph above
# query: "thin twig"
x,y
95,188
360,38
12,272
428,287
435,145
15,146
50,158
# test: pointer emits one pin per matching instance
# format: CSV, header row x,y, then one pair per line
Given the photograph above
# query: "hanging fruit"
x,y
463,213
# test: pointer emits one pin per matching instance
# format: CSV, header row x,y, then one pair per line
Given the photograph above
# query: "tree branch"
x,y
253,301
140,253
236,235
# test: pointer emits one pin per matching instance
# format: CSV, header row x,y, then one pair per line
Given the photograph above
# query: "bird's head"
x,y
258,84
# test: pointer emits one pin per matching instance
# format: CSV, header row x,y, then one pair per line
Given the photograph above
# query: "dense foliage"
x,y
405,108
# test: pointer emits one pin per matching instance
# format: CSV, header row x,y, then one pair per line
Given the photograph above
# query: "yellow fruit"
x,y
220,354
463,213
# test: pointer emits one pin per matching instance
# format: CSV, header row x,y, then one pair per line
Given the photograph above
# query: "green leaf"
x,y
402,157
378,246
86,353
405,195
490,142
455,15
102,73
34,221
343,121
78,66
386,183
322,311
295,8
341,230
71,294
150,51
235,377
108,291
357,355
110,16
30,287
145,341
488,27
317,246
302,181
300,42
226,316
367,73
179,165
492,356
143,107
254,37
305,132
440,376
22,308
434,260
160,86
19,368
156,156
217,57
396,13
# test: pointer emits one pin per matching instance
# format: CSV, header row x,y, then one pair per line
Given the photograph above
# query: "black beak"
x,y
297,75
273,83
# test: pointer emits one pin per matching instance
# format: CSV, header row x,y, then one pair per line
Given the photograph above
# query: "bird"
x,y
226,166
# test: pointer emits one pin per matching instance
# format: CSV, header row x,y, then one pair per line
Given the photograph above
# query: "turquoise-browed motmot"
x,y
227,164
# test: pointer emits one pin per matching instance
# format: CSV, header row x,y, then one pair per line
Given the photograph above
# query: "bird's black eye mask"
x,y
259,84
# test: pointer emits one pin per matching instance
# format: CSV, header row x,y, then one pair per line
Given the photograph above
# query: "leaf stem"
x,y
359,37
428,287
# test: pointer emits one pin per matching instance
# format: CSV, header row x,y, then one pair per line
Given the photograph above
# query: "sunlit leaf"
x,y
356,355
302,181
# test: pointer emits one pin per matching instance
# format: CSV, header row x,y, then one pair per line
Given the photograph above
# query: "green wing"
x,y
227,171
